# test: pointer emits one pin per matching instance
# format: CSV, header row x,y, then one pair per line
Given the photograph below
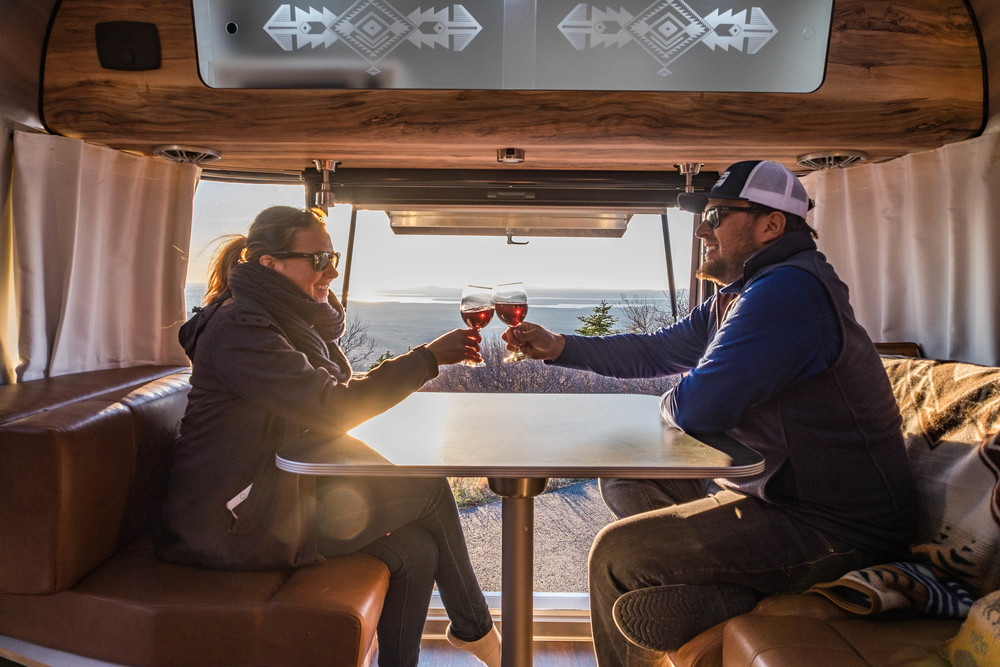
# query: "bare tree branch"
x,y
640,315
357,345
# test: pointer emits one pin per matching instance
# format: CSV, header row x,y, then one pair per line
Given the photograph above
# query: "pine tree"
x,y
599,323
383,357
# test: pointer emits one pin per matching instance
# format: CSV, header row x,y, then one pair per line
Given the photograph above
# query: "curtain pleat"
x,y
100,256
917,239
8,315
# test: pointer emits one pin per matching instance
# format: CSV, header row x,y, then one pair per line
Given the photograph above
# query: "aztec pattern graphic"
x,y
666,29
372,28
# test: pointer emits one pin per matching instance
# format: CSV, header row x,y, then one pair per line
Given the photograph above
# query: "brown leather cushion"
x,y
65,480
156,409
705,650
137,610
790,641
80,481
802,604
326,610
24,399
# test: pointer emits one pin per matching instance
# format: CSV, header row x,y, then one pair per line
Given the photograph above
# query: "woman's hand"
x,y
455,346
535,341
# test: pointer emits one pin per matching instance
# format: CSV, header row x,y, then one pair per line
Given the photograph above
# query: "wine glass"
x,y
511,302
477,311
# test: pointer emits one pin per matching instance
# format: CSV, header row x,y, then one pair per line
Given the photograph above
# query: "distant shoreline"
x,y
547,297
399,320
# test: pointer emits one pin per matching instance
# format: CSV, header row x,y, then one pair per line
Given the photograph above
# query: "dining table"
x,y
518,441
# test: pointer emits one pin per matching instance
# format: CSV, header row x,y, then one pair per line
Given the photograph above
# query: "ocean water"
x,y
399,320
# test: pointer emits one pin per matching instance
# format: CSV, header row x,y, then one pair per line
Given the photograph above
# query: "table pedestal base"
x,y
518,567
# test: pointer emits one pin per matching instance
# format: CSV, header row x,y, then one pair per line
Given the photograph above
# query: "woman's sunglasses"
x,y
320,260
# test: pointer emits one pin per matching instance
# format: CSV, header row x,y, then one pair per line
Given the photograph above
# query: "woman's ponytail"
x,y
225,257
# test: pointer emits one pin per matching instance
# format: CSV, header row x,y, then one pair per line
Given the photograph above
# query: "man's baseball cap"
x,y
759,181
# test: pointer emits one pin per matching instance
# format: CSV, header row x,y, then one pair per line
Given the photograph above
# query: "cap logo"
x,y
722,179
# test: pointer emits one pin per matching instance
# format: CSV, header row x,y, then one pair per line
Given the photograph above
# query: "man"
x,y
777,361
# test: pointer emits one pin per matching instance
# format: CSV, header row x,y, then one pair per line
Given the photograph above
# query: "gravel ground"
x,y
566,521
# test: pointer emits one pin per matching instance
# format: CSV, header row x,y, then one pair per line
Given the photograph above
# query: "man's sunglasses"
x,y
713,216
320,260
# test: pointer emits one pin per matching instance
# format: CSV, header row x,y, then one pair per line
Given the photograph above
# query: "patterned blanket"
x,y
902,585
951,420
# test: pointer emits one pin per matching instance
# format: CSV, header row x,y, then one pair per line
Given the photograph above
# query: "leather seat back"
x,y
80,479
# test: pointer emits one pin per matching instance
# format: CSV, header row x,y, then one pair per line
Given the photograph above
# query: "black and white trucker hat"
x,y
759,181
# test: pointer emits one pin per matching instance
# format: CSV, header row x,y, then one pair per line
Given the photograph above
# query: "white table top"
x,y
519,436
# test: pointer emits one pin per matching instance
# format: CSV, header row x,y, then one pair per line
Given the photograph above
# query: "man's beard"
x,y
726,269
720,271
710,270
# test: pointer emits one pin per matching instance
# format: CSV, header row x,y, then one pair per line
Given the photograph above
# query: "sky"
x,y
384,261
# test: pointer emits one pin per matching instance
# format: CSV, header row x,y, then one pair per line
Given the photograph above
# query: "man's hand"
x,y
535,341
456,346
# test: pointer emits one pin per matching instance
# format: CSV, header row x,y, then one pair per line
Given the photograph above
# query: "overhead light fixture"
x,y
831,159
510,221
323,198
187,154
510,155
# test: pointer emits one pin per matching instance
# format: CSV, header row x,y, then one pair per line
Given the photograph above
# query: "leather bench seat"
x,y
137,610
790,641
797,630
81,482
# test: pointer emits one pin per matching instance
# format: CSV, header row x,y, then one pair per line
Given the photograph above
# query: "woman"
x,y
266,367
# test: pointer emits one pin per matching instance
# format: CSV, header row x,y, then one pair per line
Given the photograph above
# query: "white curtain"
x,y
917,240
100,243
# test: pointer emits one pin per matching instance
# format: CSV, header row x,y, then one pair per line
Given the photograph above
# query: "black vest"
x,y
832,444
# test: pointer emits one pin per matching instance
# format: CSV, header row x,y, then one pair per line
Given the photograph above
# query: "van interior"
x,y
507,120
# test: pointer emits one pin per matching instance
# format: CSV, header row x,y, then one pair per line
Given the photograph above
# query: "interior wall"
x,y
22,31
988,16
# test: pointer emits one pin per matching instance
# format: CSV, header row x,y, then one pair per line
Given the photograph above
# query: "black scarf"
x,y
312,328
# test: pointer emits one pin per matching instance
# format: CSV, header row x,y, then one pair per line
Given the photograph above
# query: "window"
x,y
404,291
226,208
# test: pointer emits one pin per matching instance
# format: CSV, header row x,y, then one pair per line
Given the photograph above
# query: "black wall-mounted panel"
x,y
128,45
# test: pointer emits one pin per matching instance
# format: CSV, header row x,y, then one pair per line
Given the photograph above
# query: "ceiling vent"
x,y
831,159
187,154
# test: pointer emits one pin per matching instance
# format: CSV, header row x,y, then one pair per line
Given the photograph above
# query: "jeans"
x,y
411,524
688,555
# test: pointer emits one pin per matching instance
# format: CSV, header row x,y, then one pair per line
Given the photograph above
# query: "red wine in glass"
x,y
477,311
478,318
512,314
511,303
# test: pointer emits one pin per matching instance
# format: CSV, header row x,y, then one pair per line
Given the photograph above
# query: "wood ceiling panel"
x,y
902,77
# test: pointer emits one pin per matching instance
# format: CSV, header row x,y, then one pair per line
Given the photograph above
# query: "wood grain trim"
x,y
901,77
